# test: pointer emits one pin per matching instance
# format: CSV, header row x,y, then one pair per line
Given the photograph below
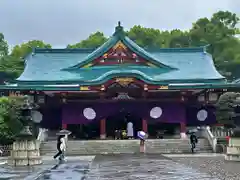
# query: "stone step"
x,y
126,146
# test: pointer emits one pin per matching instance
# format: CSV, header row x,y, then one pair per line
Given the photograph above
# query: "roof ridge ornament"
x,y
118,29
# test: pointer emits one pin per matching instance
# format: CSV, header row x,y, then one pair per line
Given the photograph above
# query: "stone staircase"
x,y
156,146
168,146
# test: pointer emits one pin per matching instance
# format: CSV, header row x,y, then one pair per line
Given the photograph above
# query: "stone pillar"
x,y
183,130
25,153
144,126
103,129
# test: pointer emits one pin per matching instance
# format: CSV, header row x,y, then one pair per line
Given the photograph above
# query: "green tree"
x,y
179,39
10,118
20,51
93,41
219,32
146,37
3,46
225,107
13,64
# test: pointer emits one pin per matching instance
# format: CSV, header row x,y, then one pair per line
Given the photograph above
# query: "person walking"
x,y
61,147
193,141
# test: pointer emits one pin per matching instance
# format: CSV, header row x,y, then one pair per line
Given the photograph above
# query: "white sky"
x,y
62,22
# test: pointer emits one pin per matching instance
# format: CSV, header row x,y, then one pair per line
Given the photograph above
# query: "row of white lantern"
x,y
156,112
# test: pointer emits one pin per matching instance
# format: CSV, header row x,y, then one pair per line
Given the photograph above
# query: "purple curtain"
x,y
172,113
191,114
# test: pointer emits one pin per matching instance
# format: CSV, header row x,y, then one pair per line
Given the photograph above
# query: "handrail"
x,y
219,132
210,137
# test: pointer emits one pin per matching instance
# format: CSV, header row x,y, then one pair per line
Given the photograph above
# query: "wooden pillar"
x,y
64,126
103,129
183,130
144,126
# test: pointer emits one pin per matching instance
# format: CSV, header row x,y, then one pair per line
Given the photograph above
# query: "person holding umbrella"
x,y
61,147
61,144
193,139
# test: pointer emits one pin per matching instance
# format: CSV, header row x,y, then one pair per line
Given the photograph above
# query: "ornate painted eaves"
x,y
120,50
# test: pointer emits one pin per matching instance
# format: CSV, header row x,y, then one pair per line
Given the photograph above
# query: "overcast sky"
x,y
62,22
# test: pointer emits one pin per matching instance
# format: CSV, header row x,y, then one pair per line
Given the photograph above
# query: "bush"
x,y
10,118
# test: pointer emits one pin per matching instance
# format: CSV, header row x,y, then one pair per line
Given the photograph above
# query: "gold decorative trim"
x,y
119,45
88,65
84,88
151,64
124,81
163,87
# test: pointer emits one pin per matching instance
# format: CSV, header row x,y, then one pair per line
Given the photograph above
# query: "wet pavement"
x,y
12,173
133,167
216,166
76,167
142,167
71,170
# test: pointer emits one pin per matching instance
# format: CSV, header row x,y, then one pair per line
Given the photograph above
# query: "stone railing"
x,y
221,132
233,150
206,132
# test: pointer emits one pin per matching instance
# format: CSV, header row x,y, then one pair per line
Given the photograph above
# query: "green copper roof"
x,y
178,65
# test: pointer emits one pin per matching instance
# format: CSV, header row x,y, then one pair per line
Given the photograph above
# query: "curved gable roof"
x,y
119,36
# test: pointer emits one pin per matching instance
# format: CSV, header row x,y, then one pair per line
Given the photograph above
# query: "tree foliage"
x,y
226,107
3,46
93,41
13,64
20,51
10,118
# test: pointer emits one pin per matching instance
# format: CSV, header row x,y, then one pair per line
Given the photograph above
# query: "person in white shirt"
x,y
61,147
130,130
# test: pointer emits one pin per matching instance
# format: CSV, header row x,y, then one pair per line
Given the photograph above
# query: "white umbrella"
x,y
64,132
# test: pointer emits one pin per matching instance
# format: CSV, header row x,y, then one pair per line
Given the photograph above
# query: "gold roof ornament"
x,y
124,81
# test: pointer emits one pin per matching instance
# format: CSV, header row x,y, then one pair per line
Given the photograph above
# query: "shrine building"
x,y
97,87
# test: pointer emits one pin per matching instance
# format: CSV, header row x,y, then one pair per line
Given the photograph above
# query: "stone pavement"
x,y
132,167
215,166
142,167
36,172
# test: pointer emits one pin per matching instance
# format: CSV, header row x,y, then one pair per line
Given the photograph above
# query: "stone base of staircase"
x,y
155,146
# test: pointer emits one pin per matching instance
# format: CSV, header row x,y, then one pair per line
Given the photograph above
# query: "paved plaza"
x,y
129,167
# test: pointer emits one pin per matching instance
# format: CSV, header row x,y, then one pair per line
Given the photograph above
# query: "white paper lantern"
x,y
89,113
155,112
202,115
